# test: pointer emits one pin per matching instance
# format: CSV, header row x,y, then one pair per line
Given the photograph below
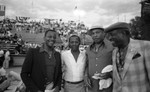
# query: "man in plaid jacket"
x,y
131,60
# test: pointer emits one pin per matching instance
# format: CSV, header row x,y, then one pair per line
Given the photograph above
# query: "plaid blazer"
x,y
135,76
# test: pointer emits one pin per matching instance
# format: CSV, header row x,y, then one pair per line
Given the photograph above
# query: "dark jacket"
x,y
33,72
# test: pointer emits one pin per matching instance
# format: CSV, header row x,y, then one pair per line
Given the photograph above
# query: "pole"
x,y
4,13
118,17
125,17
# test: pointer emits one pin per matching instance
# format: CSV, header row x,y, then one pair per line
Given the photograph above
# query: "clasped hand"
x,y
102,75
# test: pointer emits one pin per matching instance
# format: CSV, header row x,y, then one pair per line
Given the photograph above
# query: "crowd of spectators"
x,y
64,29
9,37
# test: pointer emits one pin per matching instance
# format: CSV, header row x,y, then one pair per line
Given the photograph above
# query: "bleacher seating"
x,y
33,38
8,46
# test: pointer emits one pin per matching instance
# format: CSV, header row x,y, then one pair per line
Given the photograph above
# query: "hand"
x,y
49,86
56,89
49,90
87,81
96,76
102,75
106,75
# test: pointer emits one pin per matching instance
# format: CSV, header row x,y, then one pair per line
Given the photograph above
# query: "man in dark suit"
x,y
42,66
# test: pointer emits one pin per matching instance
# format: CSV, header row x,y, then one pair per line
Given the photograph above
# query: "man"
x,y
99,56
2,58
131,60
74,62
42,66
7,59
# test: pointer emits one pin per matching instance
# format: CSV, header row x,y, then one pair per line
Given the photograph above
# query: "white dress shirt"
x,y
73,70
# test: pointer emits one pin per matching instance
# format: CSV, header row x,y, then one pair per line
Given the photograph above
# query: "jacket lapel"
x,y
128,59
131,51
114,59
43,63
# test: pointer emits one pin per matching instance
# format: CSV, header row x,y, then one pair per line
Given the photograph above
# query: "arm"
x,y
147,60
86,74
86,67
26,72
59,77
62,66
63,70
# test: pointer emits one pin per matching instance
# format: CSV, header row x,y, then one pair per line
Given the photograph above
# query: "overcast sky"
x,y
103,12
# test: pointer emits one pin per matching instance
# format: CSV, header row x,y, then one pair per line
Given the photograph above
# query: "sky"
x,y
90,12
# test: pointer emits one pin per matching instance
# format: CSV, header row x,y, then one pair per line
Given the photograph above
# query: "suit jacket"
x,y
136,71
33,70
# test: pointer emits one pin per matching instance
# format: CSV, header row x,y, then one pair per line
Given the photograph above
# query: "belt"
x,y
74,82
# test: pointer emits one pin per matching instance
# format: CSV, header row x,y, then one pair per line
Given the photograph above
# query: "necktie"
x,y
121,59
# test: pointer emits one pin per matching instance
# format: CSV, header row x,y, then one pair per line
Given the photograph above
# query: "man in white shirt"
x,y
7,59
74,63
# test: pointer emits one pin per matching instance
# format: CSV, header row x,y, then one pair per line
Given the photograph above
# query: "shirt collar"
x,y
93,44
70,51
80,52
43,49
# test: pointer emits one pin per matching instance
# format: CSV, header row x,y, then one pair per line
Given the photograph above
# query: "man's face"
x,y
50,38
97,35
74,43
116,37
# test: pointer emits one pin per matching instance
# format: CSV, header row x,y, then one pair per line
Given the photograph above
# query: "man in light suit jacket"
x,y
131,60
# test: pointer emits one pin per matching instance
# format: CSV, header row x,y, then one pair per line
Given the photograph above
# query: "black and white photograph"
x,y
74,45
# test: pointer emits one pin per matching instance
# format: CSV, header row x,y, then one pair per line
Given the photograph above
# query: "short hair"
x,y
75,36
51,30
